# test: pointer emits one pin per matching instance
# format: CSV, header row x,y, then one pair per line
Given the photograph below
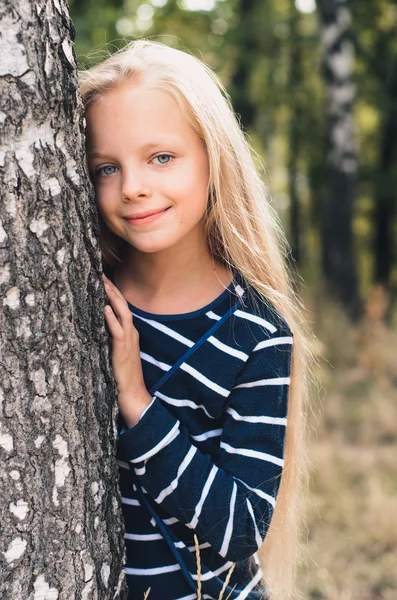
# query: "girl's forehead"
x,y
137,115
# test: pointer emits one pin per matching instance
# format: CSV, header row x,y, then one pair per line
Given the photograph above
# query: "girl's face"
x,y
149,169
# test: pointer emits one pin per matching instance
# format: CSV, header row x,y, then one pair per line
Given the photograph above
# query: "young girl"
x,y
203,321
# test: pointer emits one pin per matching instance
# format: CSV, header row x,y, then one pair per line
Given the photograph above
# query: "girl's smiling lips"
x,y
145,217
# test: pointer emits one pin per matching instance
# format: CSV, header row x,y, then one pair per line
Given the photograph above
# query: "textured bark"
x,y
337,232
61,525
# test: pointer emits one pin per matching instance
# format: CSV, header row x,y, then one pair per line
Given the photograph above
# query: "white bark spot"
x,y
42,590
38,226
78,528
88,565
10,205
29,299
332,32
68,52
53,186
23,328
85,594
105,572
38,441
62,468
2,158
20,509
3,117
40,404
94,488
29,78
5,273
16,63
63,299
6,442
3,235
61,256
71,170
49,61
12,298
25,157
15,549
96,522
40,384
14,474
341,63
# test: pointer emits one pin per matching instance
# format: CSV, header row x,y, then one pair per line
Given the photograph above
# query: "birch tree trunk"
x,y
61,527
338,254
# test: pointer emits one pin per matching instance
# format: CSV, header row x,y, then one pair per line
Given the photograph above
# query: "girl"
x,y
203,320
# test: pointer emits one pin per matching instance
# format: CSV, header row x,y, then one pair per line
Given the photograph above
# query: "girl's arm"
x,y
228,503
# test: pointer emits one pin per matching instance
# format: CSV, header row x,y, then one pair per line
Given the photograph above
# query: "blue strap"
x,y
166,535
190,351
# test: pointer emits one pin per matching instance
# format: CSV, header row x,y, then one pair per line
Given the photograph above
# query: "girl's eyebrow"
x,y
149,146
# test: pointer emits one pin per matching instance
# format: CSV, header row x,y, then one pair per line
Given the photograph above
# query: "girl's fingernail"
x,y
108,310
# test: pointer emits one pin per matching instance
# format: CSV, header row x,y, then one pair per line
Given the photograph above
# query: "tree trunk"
x,y
338,255
61,532
247,47
295,78
385,204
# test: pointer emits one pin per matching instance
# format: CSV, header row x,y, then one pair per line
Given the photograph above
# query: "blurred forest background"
x,y
315,87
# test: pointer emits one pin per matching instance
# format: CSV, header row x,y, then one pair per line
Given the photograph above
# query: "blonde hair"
x,y
243,231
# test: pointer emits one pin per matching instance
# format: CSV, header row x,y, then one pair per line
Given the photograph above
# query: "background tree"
x,y
338,252
60,519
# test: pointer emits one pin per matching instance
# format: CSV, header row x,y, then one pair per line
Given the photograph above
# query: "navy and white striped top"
x,y
208,451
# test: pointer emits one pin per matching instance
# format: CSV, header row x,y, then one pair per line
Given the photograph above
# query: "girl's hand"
x,y
133,396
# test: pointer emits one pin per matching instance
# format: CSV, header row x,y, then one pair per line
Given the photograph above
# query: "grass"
x,y
352,534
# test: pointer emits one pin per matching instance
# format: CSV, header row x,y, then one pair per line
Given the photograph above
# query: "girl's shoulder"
x,y
260,312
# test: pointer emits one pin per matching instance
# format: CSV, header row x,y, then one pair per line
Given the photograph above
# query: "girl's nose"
x,y
135,186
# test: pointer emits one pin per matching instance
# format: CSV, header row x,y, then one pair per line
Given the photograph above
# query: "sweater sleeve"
x,y
228,502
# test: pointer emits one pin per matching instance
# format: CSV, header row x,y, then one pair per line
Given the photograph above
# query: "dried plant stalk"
x,y
231,592
198,562
146,594
229,574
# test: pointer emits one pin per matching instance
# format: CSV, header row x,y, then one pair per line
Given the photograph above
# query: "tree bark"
x,y
61,523
338,256
247,48
294,134
385,204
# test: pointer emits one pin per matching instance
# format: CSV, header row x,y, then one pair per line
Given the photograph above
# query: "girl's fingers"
x,y
119,305
115,327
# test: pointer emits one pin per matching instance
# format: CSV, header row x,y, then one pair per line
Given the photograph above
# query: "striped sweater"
x,y
208,451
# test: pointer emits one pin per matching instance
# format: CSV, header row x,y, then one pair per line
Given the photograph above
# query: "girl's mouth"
x,y
146,219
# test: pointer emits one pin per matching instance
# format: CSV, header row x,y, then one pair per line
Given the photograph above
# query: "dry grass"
x,y
198,570
352,536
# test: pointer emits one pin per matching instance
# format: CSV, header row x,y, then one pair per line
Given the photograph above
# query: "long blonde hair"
x,y
243,231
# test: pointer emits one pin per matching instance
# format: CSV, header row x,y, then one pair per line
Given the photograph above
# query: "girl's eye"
x,y
163,159
106,171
